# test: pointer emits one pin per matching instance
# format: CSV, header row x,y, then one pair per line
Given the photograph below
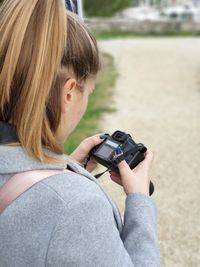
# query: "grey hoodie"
x,y
69,220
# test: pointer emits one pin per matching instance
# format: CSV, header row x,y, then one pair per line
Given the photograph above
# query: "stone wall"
x,y
127,25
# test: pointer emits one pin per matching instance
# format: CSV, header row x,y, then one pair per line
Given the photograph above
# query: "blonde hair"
x,y
39,43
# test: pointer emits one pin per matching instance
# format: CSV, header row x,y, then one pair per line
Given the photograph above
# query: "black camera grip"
x,y
151,188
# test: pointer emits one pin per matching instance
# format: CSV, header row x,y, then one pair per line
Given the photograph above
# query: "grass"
x,y
98,104
119,34
104,8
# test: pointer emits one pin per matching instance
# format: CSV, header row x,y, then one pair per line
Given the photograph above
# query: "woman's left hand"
x,y
82,151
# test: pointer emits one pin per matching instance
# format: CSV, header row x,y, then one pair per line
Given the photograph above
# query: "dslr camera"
x,y
133,153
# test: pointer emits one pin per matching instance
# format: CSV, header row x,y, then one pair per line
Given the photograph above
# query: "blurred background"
x,y
149,86
154,10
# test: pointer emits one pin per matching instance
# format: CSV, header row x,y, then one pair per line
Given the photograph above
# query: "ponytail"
x,y
39,44
33,36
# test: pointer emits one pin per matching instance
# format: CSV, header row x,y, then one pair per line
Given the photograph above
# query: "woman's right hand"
x,y
136,180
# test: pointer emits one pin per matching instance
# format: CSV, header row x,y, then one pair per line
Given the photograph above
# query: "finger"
x,y
85,147
147,162
116,179
93,141
124,168
112,173
149,154
91,166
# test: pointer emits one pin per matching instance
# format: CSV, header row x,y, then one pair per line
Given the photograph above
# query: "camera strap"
x,y
100,174
87,159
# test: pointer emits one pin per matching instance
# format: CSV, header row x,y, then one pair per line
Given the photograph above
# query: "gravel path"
x,y
157,98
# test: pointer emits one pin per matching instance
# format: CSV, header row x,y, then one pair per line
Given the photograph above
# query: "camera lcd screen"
x,y
105,151
115,145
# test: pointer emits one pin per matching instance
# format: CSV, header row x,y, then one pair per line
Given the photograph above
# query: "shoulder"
x,y
70,185
79,199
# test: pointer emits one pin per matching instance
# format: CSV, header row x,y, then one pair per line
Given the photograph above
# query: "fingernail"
x,y
118,150
103,136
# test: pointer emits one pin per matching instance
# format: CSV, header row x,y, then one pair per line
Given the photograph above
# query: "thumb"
x,y
123,167
146,163
93,141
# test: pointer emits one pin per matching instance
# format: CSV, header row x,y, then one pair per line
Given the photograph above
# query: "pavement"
x,y
157,100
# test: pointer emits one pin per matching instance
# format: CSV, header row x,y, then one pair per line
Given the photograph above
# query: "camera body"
x,y
133,153
105,152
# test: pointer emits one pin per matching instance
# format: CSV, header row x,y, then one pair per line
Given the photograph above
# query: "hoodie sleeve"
x,y
86,234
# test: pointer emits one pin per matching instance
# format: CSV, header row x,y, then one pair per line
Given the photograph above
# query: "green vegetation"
x,y
104,8
98,104
118,34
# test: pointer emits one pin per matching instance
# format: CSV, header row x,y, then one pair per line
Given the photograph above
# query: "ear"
x,y
67,94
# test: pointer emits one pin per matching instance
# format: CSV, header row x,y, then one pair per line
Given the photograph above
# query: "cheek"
x,y
82,107
85,104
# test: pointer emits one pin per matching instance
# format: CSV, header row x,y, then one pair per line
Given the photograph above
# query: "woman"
x,y
48,67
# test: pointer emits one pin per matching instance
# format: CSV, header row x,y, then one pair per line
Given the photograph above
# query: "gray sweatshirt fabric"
x,y
69,220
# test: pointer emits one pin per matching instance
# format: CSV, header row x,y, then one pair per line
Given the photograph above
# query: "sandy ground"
x,y
157,97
